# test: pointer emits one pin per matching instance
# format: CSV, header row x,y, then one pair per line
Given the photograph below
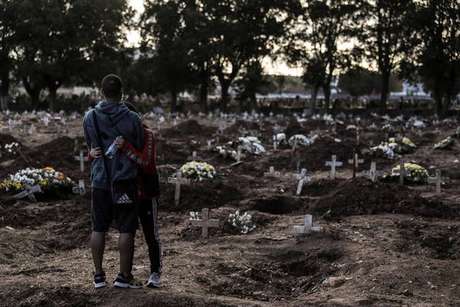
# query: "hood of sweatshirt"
x,y
115,110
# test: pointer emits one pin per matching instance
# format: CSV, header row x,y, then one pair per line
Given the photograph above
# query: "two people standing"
x,y
124,184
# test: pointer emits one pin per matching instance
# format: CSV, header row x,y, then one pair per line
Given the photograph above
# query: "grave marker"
x,y
303,178
355,162
436,180
373,174
307,226
205,223
402,172
178,181
80,189
82,160
333,164
29,192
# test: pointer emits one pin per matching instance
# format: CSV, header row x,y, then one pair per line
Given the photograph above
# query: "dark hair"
x,y
131,107
112,87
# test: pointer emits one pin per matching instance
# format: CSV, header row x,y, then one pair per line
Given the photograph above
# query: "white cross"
x,y
209,144
355,162
80,189
271,172
333,164
238,154
82,160
29,192
307,226
436,180
373,174
275,143
303,178
205,222
178,181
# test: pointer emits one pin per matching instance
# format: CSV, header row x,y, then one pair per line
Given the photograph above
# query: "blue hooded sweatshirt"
x,y
114,119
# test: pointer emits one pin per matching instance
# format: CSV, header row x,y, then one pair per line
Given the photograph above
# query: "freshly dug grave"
x,y
292,270
361,196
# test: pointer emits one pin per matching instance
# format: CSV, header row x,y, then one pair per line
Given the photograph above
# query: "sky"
x,y
278,68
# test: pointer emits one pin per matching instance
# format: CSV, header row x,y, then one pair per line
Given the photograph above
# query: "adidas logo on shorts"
x,y
124,199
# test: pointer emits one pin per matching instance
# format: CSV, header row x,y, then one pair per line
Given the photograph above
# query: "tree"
x,y
251,83
63,41
242,31
436,57
359,82
8,20
319,39
383,22
163,32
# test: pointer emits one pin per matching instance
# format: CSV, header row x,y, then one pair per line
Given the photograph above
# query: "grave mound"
x,y
207,194
58,154
277,205
360,196
188,128
239,125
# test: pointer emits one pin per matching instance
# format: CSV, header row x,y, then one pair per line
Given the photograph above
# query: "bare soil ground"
x,y
381,244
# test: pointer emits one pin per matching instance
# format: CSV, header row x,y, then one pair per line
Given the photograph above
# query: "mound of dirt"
x,y
361,196
188,128
210,194
276,204
239,125
58,154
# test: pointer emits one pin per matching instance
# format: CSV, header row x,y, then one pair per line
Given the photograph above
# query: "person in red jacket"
x,y
148,193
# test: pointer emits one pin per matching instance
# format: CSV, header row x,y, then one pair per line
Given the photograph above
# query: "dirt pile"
x,y
361,196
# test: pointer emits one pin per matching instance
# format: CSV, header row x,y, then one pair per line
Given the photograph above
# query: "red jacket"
x,y
146,159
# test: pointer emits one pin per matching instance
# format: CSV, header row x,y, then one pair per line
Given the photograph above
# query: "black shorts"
x,y
104,211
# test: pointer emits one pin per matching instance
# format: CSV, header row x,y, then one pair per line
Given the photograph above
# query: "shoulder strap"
x,y
100,144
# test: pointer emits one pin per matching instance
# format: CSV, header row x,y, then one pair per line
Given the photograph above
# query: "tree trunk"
x,y
385,90
173,101
32,91
327,95
204,87
52,98
225,86
314,96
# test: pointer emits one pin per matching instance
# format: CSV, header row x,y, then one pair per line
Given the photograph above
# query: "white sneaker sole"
x,y
100,284
121,285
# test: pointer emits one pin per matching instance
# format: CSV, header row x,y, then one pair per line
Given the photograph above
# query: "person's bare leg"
x,y
126,247
97,244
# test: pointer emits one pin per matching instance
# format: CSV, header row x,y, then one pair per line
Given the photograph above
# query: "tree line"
x,y
189,45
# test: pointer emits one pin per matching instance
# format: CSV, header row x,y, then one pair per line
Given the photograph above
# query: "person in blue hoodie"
x,y
102,125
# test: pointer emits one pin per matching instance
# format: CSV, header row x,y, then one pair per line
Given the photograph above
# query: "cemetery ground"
x,y
380,243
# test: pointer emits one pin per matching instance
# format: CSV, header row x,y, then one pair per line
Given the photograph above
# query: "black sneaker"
x,y
99,281
126,283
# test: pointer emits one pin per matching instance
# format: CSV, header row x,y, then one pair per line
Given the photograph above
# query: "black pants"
x,y
148,215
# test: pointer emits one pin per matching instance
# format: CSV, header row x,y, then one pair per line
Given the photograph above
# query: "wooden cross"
x,y
333,164
271,172
303,178
80,189
436,180
29,192
373,174
82,160
307,226
205,223
178,181
402,172
355,162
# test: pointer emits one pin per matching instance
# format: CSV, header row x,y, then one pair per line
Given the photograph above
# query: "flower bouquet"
x,y
301,140
445,144
414,173
198,171
252,145
10,150
50,181
241,222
